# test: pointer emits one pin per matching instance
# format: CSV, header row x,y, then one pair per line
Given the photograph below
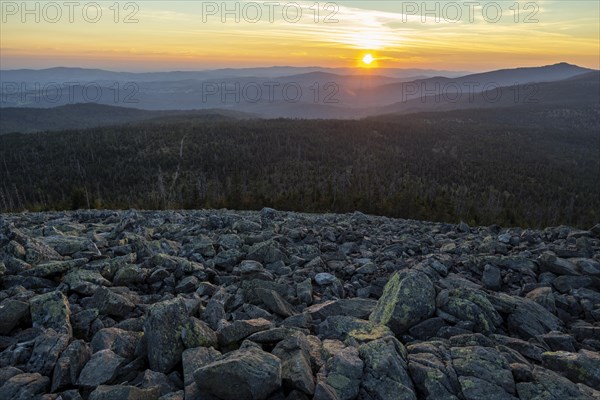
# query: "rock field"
x,y
206,305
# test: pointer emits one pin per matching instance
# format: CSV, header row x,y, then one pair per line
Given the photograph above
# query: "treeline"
x,y
474,166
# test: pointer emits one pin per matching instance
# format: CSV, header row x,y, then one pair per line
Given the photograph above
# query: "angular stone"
x,y
102,368
239,330
472,305
344,373
110,303
24,387
196,333
483,368
325,278
559,266
51,310
408,298
46,351
275,302
70,364
583,367
339,327
12,313
195,358
304,291
296,372
249,374
162,331
123,392
491,278
121,342
385,373
358,308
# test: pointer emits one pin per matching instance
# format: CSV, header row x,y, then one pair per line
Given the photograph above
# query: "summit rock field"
x,y
241,305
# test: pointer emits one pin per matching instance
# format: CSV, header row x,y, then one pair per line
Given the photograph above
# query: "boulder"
x,y
248,374
51,311
408,298
162,331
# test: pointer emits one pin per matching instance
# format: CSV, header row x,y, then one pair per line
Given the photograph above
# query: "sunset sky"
x,y
171,35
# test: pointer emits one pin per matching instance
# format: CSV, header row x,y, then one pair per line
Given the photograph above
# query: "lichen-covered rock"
x,y
162,332
483,370
51,311
583,366
385,373
471,305
296,372
344,373
408,298
46,351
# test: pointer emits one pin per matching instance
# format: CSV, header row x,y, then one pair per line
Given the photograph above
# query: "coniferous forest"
x,y
523,167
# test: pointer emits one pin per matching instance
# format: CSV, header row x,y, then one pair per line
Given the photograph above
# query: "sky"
x,y
151,35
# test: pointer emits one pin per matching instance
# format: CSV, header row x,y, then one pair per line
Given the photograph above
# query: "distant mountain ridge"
x,y
90,115
322,94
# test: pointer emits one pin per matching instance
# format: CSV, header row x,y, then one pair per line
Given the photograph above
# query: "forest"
x,y
530,167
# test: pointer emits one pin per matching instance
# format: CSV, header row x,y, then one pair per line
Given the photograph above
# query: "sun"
x,y
368,59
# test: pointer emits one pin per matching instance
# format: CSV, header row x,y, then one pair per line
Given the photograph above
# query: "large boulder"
x,y
583,367
46,351
248,374
13,313
483,372
344,373
70,364
472,305
296,372
408,298
102,368
385,373
51,310
162,331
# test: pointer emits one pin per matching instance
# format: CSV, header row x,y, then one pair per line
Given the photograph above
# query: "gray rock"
x,y
304,291
122,342
296,372
123,392
550,263
583,367
470,305
162,331
408,298
102,368
492,279
239,330
51,311
24,387
110,303
385,373
196,333
483,370
325,278
358,308
275,302
248,374
13,312
344,373
46,351
70,364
